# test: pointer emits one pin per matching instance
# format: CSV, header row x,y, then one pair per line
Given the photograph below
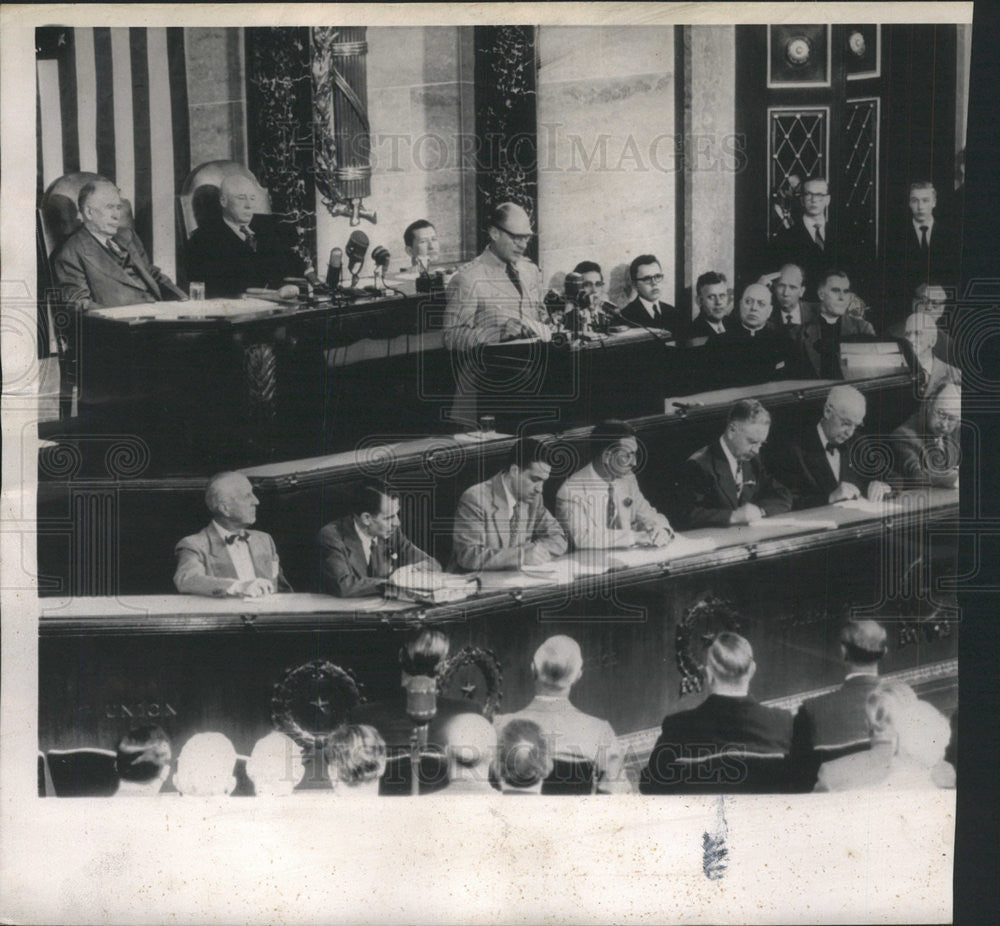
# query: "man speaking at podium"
x,y
498,295
240,248
102,264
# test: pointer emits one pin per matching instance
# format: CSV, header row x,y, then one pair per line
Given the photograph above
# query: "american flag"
x,y
114,102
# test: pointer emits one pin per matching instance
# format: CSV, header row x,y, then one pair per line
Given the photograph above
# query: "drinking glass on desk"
x,y
196,291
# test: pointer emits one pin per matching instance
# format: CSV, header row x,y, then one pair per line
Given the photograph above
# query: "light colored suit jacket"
x,y
90,278
204,566
576,737
481,535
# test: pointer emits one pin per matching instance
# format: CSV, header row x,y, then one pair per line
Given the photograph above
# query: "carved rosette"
x,y
473,674
695,631
312,700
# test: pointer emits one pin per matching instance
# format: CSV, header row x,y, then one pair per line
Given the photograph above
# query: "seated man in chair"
x,y
240,248
103,264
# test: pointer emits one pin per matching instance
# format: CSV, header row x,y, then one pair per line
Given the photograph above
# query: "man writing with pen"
x,y
601,506
821,464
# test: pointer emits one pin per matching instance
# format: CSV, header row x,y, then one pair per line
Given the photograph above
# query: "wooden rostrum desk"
x,y
195,664
112,531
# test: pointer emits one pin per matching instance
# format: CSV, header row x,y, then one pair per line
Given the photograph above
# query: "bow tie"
x,y
232,538
831,447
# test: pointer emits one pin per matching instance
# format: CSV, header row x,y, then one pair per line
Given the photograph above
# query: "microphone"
x,y
335,268
657,335
381,257
421,699
357,248
573,287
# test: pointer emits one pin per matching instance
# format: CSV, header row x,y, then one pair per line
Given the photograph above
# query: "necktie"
x,y
738,476
251,238
924,244
232,538
788,318
922,380
372,565
819,236
515,525
612,508
514,277
118,251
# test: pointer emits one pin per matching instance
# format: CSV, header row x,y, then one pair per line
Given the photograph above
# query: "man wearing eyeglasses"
x,y
646,310
241,248
592,286
497,296
818,465
811,241
926,449
726,483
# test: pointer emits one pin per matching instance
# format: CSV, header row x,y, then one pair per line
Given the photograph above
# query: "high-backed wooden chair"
x,y
83,772
199,196
56,219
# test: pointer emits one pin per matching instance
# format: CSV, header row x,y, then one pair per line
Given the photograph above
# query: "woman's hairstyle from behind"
x,y
356,753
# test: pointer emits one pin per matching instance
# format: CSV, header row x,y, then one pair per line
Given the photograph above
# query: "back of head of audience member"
x,y
918,729
863,644
524,760
469,742
205,766
356,758
729,665
424,654
275,765
143,760
557,666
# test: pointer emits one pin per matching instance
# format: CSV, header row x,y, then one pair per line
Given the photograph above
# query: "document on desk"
x,y
189,309
869,507
678,548
796,524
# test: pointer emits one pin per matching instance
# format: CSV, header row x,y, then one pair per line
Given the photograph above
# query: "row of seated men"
x,y
503,523
777,332
869,733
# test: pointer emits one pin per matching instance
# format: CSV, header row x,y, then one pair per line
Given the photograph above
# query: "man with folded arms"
x,y
103,264
226,558
503,523
726,482
601,506
817,464
362,549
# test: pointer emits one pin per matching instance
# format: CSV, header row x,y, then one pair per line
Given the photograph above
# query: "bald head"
x,y
231,499
510,232
755,306
843,414
921,331
238,197
557,665
469,741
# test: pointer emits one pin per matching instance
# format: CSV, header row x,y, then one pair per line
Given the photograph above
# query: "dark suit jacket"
x,y
802,466
830,726
745,360
90,278
852,328
757,738
669,318
345,572
798,365
796,245
204,566
700,328
906,266
916,458
217,256
705,493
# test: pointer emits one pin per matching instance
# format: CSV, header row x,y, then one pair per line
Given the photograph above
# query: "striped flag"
x,y
114,102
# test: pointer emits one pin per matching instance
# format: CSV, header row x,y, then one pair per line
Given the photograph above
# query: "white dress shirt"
x,y
930,229
832,457
582,508
366,543
792,316
734,464
239,553
652,308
